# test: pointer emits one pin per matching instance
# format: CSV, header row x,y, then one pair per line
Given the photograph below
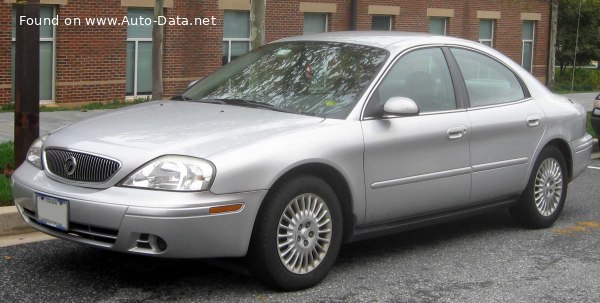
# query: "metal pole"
x,y
576,46
157,52
27,79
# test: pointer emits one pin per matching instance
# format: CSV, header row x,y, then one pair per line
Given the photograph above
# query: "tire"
x,y
550,171
318,239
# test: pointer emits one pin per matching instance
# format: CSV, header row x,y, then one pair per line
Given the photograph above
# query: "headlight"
x,y
178,173
34,154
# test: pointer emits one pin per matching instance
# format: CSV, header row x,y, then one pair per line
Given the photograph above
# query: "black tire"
x,y
525,212
264,256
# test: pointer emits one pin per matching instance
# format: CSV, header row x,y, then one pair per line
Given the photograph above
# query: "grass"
x,y
6,156
586,80
84,107
590,130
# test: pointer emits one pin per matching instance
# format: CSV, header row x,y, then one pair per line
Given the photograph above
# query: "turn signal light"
x,y
225,208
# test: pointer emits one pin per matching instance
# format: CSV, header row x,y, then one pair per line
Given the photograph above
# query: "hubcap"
x,y
548,187
304,233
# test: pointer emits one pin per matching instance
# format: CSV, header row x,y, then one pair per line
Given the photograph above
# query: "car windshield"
x,y
323,79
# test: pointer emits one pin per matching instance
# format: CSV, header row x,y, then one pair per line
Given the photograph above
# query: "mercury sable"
x,y
307,143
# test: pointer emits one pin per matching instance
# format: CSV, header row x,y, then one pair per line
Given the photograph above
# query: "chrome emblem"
x,y
70,165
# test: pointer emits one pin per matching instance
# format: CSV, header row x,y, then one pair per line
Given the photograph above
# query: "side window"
x,y
422,76
488,82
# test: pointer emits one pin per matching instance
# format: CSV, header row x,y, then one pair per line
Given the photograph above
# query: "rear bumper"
x,y
581,149
126,219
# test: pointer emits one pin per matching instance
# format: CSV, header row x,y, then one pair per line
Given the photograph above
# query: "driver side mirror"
x,y
400,106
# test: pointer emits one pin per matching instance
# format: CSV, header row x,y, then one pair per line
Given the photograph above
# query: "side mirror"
x,y
400,106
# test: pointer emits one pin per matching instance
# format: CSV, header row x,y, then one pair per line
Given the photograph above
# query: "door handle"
x,y
456,132
533,120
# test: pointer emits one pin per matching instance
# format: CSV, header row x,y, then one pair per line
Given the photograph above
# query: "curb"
x,y
11,222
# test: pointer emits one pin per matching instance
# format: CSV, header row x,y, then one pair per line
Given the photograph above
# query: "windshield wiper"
x,y
249,103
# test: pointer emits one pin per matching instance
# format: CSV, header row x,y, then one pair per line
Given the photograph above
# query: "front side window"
x,y
315,23
438,26
421,75
236,35
488,81
528,42
47,47
312,78
139,53
486,32
381,23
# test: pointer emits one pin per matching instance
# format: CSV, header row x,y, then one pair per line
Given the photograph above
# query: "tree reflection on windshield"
x,y
317,78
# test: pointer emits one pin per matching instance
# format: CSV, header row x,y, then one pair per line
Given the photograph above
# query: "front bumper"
x,y
581,149
127,219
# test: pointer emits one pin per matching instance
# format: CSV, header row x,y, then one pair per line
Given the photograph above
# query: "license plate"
x,y
53,211
596,112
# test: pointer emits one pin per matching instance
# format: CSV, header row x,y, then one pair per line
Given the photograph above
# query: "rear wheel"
x,y
544,198
297,235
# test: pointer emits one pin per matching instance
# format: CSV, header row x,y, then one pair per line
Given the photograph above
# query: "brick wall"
x,y
91,61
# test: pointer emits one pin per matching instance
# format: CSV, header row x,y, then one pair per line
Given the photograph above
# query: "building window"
x,y
236,34
381,23
438,26
528,43
47,51
315,23
139,53
486,32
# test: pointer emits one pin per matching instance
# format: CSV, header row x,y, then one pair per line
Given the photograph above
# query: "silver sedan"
x,y
307,143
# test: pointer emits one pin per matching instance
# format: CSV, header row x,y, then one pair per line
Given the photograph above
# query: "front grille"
x,y
88,168
94,233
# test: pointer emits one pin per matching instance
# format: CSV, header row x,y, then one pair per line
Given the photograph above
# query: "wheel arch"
x,y
565,150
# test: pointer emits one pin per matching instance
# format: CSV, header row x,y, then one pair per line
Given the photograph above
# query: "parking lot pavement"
x,y
49,121
586,99
481,259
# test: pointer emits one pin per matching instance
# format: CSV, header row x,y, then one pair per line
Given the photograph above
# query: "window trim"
x,y
532,41
493,34
53,40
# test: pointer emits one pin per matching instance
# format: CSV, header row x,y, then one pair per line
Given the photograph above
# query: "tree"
x,y
257,23
589,32
157,52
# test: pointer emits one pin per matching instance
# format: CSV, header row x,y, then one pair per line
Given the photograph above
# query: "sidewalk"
x,y
49,121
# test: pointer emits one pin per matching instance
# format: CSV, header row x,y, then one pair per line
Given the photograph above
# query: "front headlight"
x,y
178,173
34,154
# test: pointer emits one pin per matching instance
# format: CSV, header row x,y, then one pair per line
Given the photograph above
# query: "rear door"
x,y
507,125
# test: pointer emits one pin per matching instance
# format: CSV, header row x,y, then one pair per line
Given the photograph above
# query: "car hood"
x,y
139,133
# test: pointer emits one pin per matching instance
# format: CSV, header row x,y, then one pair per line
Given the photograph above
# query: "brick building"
x,y
84,63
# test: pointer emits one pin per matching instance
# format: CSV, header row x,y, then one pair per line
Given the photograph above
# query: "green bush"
x,y
586,80
6,156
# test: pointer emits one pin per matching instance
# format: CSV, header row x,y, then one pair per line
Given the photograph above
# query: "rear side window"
x,y
488,81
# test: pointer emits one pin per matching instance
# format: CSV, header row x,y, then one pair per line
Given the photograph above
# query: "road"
x,y
586,99
481,259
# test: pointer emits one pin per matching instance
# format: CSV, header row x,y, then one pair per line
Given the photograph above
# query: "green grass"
x,y
90,106
586,80
590,130
6,156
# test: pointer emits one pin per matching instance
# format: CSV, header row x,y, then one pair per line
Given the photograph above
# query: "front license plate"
x,y
53,211
596,112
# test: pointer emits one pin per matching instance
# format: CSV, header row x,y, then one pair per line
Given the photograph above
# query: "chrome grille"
x,y
88,168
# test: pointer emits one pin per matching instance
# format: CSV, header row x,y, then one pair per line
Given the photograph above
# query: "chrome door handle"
x,y
533,120
456,132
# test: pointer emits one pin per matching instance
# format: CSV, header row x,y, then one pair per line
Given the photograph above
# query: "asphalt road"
x,y
481,259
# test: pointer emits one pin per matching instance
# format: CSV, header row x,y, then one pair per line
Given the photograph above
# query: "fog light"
x,y
152,242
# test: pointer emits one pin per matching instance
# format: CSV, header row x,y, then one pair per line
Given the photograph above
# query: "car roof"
x,y
380,39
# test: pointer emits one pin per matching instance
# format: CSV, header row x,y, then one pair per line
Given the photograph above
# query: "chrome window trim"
x,y
471,108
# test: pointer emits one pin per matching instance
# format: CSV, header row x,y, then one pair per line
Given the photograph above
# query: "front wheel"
x,y
298,234
545,194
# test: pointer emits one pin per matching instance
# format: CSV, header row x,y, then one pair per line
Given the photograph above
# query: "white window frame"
x,y
445,23
532,41
491,40
390,18
326,20
53,40
230,40
135,65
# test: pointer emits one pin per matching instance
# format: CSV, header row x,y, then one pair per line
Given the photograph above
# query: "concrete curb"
x,y
11,222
